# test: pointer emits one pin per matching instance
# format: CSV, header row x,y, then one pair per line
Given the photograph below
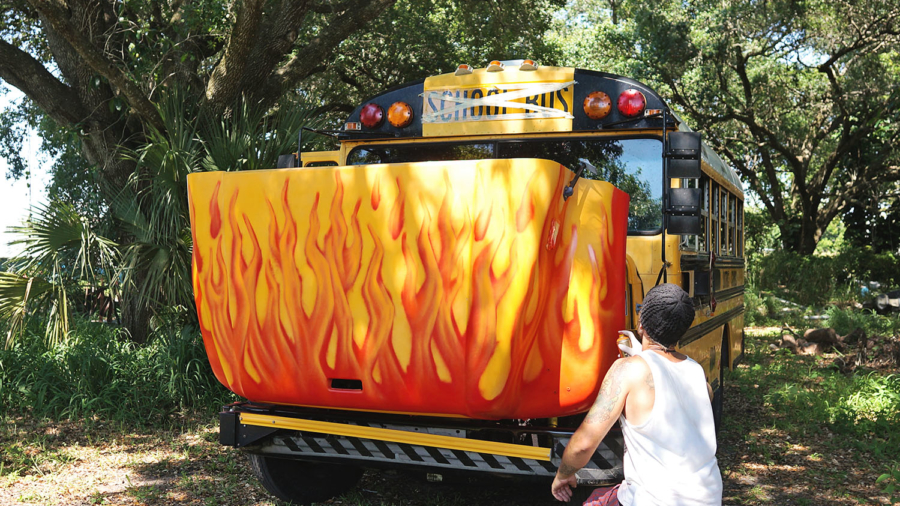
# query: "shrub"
x,y
98,372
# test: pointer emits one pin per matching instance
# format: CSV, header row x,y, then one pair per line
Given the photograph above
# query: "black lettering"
x,y
456,114
562,99
477,93
543,100
552,100
533,100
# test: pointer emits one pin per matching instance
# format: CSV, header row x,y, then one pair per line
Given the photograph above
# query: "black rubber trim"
x,y
466,461
546,464
701,262
436,454
715,384
729,293
410,452
491,460
336,444
695,333
600,462
313,444
360,447
737,360
384,449
519,463
291,445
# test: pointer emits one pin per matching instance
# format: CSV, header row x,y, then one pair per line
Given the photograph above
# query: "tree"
x,y
802,98
99,68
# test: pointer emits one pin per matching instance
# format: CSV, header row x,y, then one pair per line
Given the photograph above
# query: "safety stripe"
x,y
397,436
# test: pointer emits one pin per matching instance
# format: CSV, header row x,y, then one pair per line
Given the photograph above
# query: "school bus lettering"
x,y
512,102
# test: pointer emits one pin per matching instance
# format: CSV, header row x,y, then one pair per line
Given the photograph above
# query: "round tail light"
x,y
400,114
372,115
597,105
631,103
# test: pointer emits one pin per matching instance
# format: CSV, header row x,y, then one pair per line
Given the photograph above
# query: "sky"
x,y
15,197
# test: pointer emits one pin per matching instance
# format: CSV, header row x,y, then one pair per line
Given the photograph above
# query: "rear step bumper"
x,y
436,445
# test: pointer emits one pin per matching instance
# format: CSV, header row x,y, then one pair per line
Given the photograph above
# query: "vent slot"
x,y
346,384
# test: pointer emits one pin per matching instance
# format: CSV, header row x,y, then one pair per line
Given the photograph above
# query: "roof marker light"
x,y
400,114
597,105
528,65
631,103
353,126
651,112
372,115
463,70
495,66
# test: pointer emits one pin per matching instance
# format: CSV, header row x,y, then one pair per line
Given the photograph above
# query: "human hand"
x,y
633,347
562,487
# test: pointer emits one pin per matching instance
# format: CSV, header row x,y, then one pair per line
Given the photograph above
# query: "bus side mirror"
x,y
683,205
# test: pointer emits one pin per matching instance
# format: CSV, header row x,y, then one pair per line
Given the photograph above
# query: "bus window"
x,y
632,165
714,218
723,222
420,153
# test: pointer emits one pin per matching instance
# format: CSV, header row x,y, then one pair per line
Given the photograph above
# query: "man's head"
x,y
666,313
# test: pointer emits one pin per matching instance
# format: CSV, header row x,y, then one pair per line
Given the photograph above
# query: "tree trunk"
x,y
135,314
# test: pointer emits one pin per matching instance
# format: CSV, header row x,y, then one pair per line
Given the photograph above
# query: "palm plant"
x,y
152,267
61,250
153,208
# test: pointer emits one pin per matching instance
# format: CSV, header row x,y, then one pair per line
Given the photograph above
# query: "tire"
x,y
300,482
718,402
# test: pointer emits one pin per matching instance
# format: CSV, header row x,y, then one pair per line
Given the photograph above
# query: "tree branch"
x,y
323,46
53,12
21,70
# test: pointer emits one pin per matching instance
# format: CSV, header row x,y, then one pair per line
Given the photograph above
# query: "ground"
x,y
773,450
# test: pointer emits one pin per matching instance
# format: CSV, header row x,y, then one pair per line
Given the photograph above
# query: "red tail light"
x,y
631,103
372,115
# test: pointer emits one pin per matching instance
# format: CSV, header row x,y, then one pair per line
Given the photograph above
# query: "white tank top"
x,y
670,459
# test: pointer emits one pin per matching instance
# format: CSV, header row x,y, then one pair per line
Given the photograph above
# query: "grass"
x,y
796,431
97,372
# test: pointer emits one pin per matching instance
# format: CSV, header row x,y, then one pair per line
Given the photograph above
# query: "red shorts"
x,y
604,496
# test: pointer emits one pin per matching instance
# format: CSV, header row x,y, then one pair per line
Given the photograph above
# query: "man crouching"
x,y
662,401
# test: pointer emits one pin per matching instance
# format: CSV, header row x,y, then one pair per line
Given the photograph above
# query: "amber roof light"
x,y
597,105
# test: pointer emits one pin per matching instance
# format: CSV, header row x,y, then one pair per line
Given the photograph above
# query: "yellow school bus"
x,y
443,293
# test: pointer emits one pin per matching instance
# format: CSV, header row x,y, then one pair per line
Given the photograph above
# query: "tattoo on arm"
x,y
610,391
567,470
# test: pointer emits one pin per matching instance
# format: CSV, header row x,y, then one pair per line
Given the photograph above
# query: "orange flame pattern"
x,y
459,288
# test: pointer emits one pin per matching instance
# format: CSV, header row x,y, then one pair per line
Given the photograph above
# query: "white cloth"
x,y
670,459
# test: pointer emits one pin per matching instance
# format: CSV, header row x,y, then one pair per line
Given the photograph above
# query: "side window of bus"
x,y
714,218
698,242
740,229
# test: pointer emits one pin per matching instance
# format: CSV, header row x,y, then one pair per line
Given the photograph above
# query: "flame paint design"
x,y
460,288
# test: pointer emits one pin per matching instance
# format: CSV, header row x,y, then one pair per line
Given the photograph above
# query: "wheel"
x,y
718,402
302,482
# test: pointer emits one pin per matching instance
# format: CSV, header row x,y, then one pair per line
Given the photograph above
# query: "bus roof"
x,y
515,100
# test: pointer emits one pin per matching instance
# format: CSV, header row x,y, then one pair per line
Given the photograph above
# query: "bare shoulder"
x,y
634,368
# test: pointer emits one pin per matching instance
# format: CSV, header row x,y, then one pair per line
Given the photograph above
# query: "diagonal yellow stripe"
x,y
398,436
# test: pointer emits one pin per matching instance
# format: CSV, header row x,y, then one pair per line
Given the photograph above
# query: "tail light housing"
x,y
631,103
597,105
400,114
372,115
